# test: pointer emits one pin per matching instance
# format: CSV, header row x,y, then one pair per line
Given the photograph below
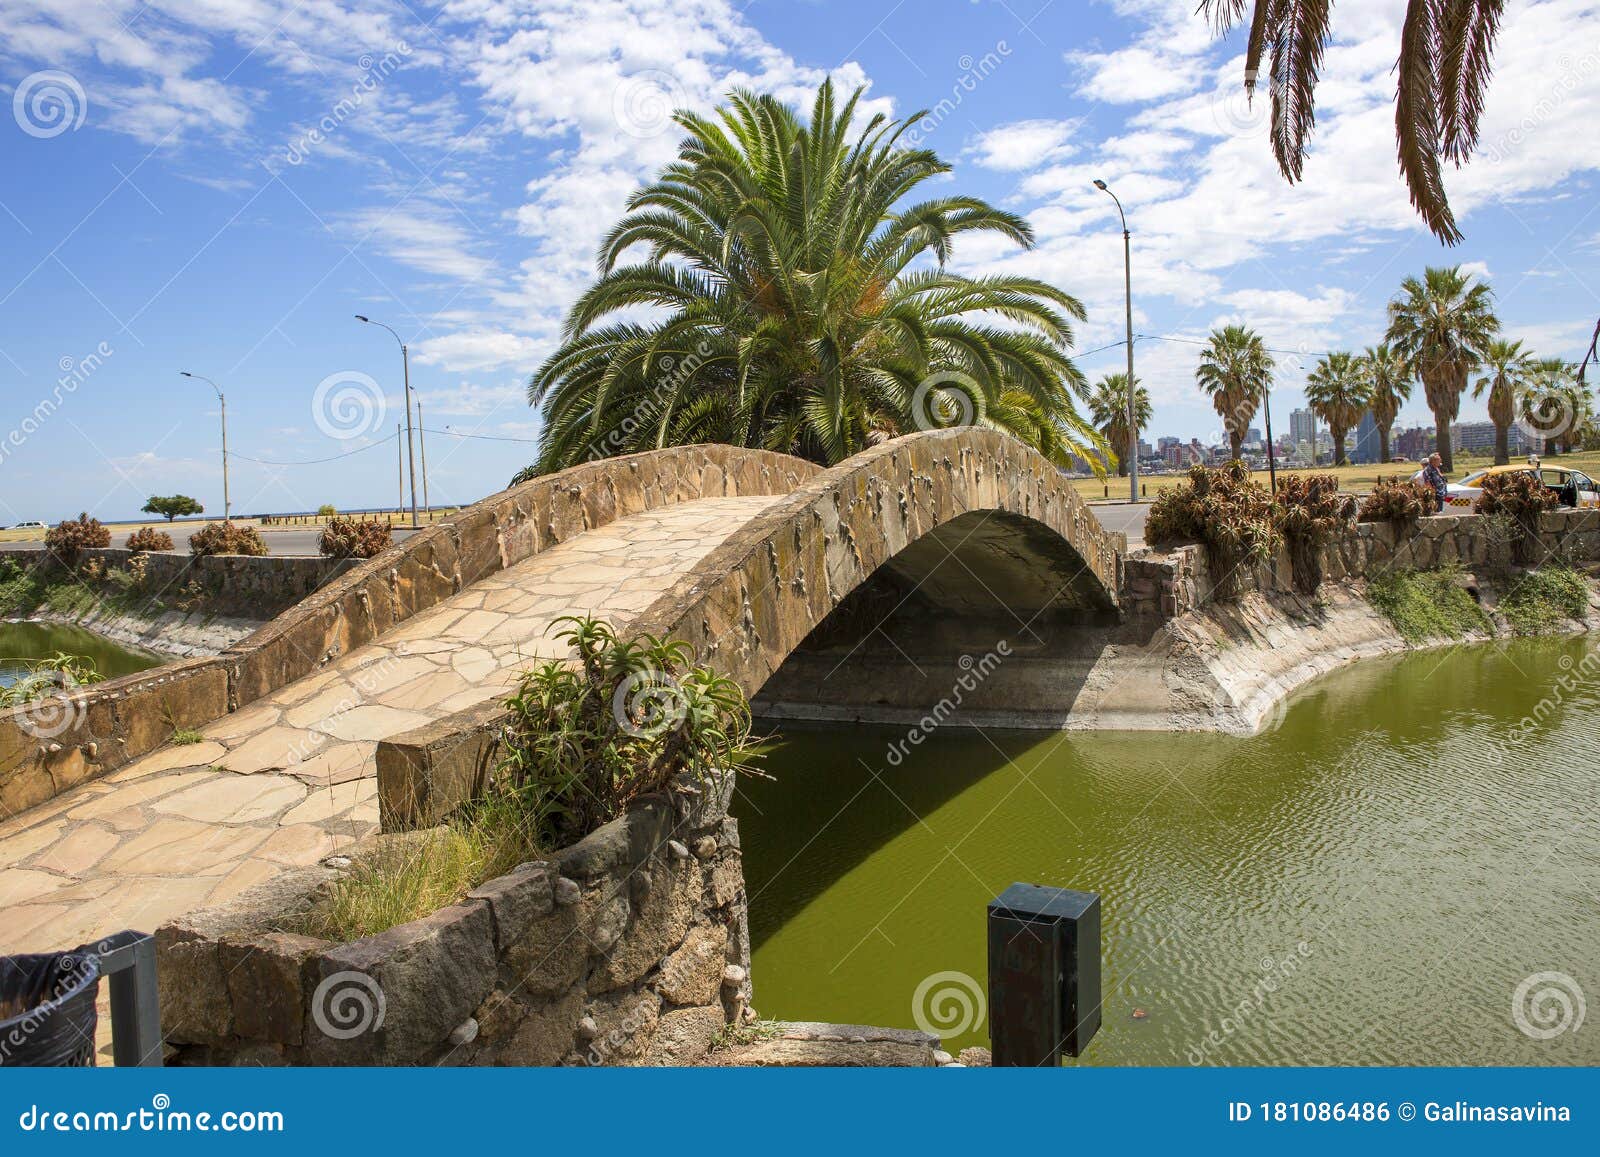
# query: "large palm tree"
x,y
1445,59
1108,409
794,299
1339,392
1554,405
1235,371
1441,324
1508,369
1389,386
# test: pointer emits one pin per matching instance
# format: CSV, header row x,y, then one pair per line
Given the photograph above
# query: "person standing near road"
x,y
1433,478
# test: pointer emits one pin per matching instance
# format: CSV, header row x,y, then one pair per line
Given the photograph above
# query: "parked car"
x,y
30,526
1572,487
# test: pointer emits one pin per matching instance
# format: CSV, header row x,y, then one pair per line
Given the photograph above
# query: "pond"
x,y
19,641
1372,881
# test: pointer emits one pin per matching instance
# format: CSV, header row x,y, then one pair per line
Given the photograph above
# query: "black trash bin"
x,y
47,1014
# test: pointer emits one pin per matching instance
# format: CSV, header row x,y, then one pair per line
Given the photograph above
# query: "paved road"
x,y
284,542
1123,517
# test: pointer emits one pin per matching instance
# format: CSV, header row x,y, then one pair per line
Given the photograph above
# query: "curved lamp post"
x,y
411,450
226,505
1127,284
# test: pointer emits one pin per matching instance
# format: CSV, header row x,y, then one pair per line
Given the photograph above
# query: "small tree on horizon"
x,y
172,506
1337,391
1389,383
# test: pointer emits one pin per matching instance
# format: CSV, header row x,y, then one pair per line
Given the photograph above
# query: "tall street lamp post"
x,y
1127,285
226,505
411,449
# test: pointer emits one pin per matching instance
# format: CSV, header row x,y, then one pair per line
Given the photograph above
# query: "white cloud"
x,y
1024,144
479,350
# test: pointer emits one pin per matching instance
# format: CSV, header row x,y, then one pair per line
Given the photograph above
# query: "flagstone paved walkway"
x,y
290,780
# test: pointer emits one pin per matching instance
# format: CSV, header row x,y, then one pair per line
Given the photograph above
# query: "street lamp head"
x,y
359,317
186,373
1101,185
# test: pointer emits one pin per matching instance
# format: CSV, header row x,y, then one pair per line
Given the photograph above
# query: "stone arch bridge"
x,y
855,591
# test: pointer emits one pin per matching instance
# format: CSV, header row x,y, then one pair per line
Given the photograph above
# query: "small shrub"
x,y
186,737
227,538
354,538
1427,604
1310,513
148,538
1401,504
1545,600
53,675
1226,510
327,510
68,540
628,720
1521,497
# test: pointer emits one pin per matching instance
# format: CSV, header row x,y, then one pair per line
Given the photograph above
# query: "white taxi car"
x,y
1572,487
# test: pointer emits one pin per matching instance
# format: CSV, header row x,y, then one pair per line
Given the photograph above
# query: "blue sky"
x,y
219,185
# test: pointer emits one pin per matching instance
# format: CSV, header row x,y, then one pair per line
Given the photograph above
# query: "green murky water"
x,y
1369,882
39,640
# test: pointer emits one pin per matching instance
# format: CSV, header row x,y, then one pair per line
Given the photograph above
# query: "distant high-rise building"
x,y
1478,438
1253,434
1302,427
1366,448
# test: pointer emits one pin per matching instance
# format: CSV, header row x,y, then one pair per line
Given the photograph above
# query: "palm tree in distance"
x,y
1445,61
1389,387
798,302
1235,371
1339,392
1554,406
1508,369
1441,324
1108,409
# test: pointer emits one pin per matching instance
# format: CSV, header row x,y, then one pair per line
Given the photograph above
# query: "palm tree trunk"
x,y
1383,444
1338,448
1441,441
1236,442
1502,445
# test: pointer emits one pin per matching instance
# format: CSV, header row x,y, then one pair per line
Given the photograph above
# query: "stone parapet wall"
x,y
122,719
630,947
1179,580
227,584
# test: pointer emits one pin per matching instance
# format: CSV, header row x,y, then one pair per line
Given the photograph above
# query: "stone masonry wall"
x,y
629,948
105,726
231,584
1171,584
